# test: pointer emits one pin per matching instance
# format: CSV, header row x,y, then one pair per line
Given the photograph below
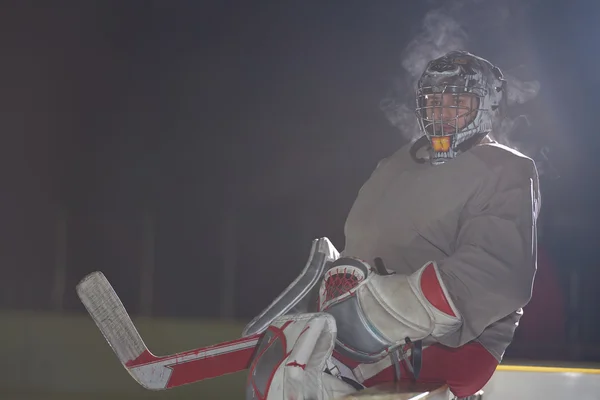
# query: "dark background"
x,y
216,139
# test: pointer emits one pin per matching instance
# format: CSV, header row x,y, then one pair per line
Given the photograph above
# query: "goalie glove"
x,y
291,360
376,313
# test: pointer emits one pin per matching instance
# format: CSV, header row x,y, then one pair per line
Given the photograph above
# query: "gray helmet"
x,y
456,73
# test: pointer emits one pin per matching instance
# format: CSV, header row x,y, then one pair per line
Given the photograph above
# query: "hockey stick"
x,y
150,371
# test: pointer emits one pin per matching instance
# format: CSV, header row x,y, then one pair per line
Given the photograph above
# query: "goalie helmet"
x,y
460,99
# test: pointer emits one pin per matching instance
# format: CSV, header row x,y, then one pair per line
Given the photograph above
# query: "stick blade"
x,y
109,314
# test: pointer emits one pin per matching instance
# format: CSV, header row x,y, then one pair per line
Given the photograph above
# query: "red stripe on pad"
x,y
432,289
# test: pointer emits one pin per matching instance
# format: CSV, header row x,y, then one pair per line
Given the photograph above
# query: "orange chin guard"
x,y
440,143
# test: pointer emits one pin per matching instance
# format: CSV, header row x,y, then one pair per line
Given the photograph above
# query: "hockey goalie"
x,y
439,259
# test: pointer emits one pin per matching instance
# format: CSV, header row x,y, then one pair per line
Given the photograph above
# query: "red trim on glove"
x,y
432,289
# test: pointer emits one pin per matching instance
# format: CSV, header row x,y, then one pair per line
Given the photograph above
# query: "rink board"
x,y
515,382
543,383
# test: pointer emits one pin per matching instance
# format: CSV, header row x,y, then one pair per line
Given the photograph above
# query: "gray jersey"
x,y
474,215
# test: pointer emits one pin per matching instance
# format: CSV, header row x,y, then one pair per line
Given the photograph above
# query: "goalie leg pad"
x,y
375,314
297,294
357,338
414,306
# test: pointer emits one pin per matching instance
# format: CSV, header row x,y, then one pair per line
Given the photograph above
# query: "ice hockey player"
x,y
439,259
